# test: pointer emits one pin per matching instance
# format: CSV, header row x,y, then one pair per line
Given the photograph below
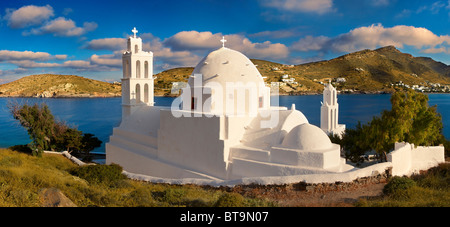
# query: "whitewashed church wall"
x,y
139,163
179,137
407,159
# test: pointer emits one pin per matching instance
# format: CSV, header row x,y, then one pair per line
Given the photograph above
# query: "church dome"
x,y
226,65
306,137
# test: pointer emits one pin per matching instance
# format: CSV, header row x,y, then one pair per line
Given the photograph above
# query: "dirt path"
x,y
318,196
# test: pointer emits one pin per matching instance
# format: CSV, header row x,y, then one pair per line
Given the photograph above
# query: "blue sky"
x,y
87,38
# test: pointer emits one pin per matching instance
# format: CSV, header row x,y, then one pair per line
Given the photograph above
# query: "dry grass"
x,y
22,176
431,189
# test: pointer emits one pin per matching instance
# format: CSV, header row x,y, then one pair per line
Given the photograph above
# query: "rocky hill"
x,y
50,85
363,71
366,71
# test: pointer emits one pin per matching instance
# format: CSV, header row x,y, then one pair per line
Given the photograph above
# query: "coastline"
x,y
62,96
174,96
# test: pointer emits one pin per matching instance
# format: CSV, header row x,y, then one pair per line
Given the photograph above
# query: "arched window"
x,y
127,69
330,124
146,93
193,103
138,94
136,48
334,97
335,119
138,69
146,69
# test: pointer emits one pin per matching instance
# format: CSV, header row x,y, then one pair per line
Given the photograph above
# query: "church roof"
x,y
265,137
307,137
226,65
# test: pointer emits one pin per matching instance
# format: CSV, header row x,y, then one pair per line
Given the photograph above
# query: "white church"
x,y
222,128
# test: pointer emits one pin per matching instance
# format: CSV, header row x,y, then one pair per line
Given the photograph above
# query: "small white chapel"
x,y
221,128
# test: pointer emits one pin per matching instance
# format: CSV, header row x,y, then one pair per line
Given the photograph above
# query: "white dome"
x,y
226,65
307,137
258,136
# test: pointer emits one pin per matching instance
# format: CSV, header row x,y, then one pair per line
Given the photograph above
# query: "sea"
x,y
100,115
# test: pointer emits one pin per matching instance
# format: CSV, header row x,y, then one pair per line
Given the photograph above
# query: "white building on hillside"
x,y
222,128
329,112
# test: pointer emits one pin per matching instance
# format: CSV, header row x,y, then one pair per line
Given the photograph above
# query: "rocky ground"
x,y
317,195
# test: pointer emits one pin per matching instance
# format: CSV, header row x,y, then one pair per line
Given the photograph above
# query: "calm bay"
x,y
100,115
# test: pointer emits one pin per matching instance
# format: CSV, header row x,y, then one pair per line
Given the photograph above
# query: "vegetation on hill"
x,y
23,176
164,80
431,188
50,85
47,134
365,71
410,119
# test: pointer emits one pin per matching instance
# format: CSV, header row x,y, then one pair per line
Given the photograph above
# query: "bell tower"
x,y
137,81
329,112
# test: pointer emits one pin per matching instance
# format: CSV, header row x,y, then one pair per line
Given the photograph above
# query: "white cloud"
x,y
63,27
309,6
437,6
372,37
112,60
11,55
195,41
87,66
380,2
67,11
435,50
61,56
39,17
107,44
33,64
278,34
28,16
310,43
77,64
265,50
30,59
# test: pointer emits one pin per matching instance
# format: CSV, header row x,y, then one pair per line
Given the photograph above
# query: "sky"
x,y
87,38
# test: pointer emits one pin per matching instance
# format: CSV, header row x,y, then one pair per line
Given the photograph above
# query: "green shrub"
x,y
230,200
398,186
174,196
99,173
436,178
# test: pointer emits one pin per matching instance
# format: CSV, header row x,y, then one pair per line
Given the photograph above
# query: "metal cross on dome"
x,y
223,41
134,31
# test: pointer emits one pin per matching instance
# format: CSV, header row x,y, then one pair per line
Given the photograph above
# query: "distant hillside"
x,y
363,71
366,71
49,85
163,81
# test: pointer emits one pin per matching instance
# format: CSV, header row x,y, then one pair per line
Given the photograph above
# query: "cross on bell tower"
x,y
134,31
223,40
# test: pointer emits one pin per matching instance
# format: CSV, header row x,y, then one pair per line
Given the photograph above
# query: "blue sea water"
x,y
100,115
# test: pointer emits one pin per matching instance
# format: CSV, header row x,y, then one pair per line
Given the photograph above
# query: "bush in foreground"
x,y
430,188
230,200
99,173
397,187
